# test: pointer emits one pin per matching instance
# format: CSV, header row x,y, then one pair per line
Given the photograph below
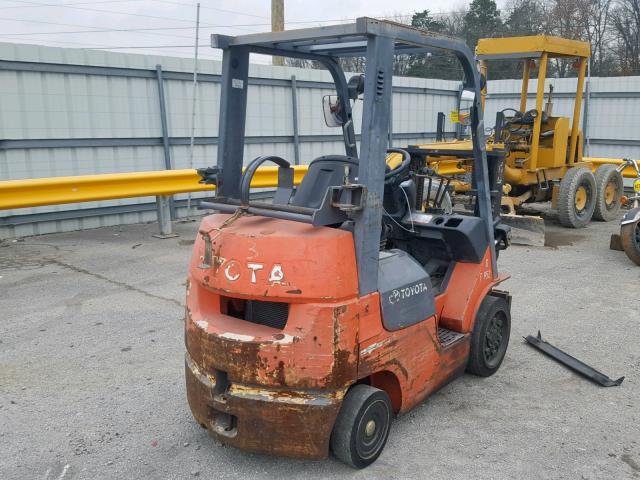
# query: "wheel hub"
x,y
581,198
370,428
610,193
371,431
493,338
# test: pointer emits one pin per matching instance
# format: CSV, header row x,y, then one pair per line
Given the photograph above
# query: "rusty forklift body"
x,y
312,319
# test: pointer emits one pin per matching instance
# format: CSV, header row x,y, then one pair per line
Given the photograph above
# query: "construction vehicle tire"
x,y
577,197
490,336
609,187
630,239
362,427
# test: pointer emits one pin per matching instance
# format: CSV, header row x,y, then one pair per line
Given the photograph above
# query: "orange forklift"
x,y
313,319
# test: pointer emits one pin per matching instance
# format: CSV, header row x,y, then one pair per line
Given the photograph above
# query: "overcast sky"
x,y
168,26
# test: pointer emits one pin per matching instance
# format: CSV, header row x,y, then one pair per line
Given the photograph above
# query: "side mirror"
x,y
468,95
332,110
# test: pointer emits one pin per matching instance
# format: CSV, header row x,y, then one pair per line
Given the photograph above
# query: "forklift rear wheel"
x,y
362,426
630,238
490,336
577,197
609,186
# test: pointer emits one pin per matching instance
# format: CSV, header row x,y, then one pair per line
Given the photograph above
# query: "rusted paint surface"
x,y
284,387
315,350
277,265
273,421
469,284
414,356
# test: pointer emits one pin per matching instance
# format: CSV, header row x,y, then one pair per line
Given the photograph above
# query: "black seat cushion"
x,y
324,172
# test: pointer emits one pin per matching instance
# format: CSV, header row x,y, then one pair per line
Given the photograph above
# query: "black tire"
x,y
609,187
577,184
490,336
351,441
630,238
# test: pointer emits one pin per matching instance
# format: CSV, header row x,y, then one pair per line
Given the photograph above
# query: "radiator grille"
x,y
271,314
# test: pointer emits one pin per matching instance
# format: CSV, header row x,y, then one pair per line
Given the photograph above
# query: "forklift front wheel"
x,y
490,336
362,427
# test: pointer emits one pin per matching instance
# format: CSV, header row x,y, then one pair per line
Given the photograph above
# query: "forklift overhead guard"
x,y
313,319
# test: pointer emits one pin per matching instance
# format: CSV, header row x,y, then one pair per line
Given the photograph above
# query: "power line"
x,y
114,12
143,31
110,12
66,4
95,31
98,29
347,19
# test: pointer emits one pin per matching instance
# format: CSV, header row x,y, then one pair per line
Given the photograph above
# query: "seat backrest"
x,y
324,172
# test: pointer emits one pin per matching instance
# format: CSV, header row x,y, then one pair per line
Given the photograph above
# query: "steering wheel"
x,y
404,165
285,179
517,115
527,118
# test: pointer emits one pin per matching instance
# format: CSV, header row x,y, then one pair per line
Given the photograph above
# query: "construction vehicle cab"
x,y
314,318
543,152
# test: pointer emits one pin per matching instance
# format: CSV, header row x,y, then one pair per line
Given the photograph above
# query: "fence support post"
x,y
165,137
163,205
294,107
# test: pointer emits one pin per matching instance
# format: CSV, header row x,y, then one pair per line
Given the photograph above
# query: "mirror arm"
x,y
347,131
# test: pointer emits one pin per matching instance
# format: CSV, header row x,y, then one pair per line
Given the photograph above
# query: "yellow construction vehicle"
x,y
541,153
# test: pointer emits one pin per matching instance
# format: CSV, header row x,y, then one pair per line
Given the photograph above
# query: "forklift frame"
x,y
378,41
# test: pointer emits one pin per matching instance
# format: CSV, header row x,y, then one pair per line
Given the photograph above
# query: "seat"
x,y
324,172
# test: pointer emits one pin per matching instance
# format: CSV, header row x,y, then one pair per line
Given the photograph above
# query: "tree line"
x,y
612,27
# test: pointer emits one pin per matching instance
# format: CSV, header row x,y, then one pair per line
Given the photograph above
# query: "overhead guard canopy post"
x,y
378,41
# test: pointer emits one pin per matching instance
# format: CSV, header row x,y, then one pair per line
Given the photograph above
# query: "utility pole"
x,y
193,103
277,24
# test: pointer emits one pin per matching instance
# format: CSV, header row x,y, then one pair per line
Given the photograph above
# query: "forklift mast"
x,y
360,199
312,318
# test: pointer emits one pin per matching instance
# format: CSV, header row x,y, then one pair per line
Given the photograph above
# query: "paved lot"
x,y
91,371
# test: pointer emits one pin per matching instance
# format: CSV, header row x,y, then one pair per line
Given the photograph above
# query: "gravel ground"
x,y
91,371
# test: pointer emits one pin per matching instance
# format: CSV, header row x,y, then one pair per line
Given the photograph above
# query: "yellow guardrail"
x,y
88,188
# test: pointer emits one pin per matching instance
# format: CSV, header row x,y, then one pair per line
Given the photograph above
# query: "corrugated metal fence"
x,y
73,112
